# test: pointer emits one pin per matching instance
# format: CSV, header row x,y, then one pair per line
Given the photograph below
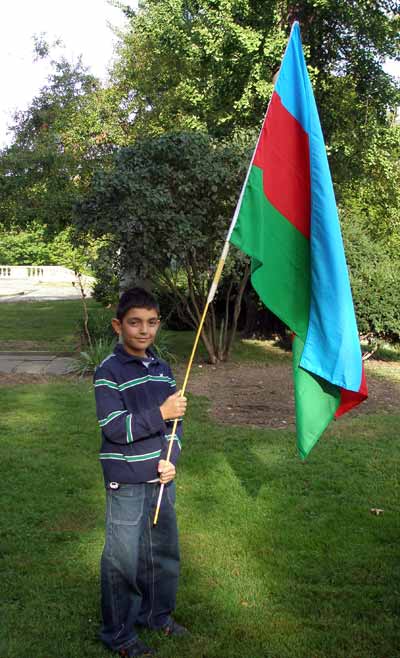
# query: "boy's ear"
x,y
116,325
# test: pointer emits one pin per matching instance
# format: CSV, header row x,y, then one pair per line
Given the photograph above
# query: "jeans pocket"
x,y
126,505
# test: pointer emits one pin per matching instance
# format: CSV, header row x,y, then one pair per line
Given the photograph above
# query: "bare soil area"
x,y
262,395
259,395
15,379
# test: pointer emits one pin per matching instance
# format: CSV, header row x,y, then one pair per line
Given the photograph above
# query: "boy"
x,y
136,402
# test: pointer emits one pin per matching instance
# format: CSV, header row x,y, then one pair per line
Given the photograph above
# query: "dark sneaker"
x,y
136,649
173,629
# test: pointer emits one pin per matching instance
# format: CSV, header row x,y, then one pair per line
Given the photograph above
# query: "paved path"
x,y
35,363
23,291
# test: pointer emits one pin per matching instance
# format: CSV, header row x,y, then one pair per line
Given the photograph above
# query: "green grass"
x,y
180,344
280,559
49,326
385,351
54,326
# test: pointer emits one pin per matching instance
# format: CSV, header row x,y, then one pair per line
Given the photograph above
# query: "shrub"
x,y
375,283
99,325
88,360
161,347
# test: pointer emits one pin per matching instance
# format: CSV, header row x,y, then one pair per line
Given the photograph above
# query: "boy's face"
x,y
137,329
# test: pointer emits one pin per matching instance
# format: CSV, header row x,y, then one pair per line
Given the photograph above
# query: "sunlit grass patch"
x,y
280,558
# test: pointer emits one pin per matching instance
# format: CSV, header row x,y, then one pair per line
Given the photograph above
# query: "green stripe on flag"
x,y
280,256
316,403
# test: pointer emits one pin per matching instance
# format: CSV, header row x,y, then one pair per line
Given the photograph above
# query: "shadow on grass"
x,y
318,573
280,559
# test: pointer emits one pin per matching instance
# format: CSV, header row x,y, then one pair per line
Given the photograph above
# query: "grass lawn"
x,y
54,326
280,559
49,326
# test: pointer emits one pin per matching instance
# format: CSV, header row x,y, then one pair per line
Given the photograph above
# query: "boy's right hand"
x,y
174,406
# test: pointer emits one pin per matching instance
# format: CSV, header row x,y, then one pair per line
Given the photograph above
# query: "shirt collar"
x,y
125,357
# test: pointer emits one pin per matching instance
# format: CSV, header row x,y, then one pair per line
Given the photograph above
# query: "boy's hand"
x,y
174,406
166,470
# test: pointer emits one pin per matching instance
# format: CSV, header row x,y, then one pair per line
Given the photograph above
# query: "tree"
x,y
375,196
40,175
374,278
71,128
208,64
32,246
167,204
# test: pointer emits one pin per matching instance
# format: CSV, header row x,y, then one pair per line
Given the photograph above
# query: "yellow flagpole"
x,y
210,297
211,294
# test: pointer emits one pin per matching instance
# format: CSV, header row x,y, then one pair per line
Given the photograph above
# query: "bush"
x,y
99,325
375,283
161,347
107,272
88,360
34,246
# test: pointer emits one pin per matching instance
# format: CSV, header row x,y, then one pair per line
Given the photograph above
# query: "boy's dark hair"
x,y
135,298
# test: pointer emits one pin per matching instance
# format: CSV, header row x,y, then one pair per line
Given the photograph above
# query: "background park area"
x,y
135,176
280,558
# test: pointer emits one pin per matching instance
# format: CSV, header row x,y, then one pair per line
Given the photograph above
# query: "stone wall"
x,y
39,274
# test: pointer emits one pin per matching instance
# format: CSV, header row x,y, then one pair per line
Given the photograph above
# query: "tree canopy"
x,y
164,143
167,204
209,64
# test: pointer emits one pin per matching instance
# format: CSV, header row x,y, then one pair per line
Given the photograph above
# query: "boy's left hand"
x,y
166,470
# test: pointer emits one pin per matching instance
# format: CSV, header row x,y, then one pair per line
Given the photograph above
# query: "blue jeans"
x,y
140,562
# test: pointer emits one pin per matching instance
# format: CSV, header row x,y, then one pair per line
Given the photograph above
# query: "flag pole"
x,y
211,294
210,297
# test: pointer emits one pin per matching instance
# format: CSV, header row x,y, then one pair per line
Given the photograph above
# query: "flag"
x,y
287,222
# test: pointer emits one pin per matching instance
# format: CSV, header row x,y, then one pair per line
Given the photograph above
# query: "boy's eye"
x,y
137,323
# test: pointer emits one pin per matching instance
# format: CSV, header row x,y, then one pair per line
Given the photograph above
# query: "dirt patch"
x,y
22,345
255,395
262,395
23,378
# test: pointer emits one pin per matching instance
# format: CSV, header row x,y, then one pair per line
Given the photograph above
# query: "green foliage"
x,y
99,324
92,356
375,196
34,246
42,172
168,202
209,65
374,277
25,247
202,66
106,269
162,346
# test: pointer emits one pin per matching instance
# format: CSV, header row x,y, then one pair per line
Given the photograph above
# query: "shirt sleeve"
x,y
177,437
117,423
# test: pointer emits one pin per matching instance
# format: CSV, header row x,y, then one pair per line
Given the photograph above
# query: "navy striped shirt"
x,y
128,399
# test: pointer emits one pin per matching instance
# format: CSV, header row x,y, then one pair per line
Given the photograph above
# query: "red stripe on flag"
x,y
284,156
350,399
